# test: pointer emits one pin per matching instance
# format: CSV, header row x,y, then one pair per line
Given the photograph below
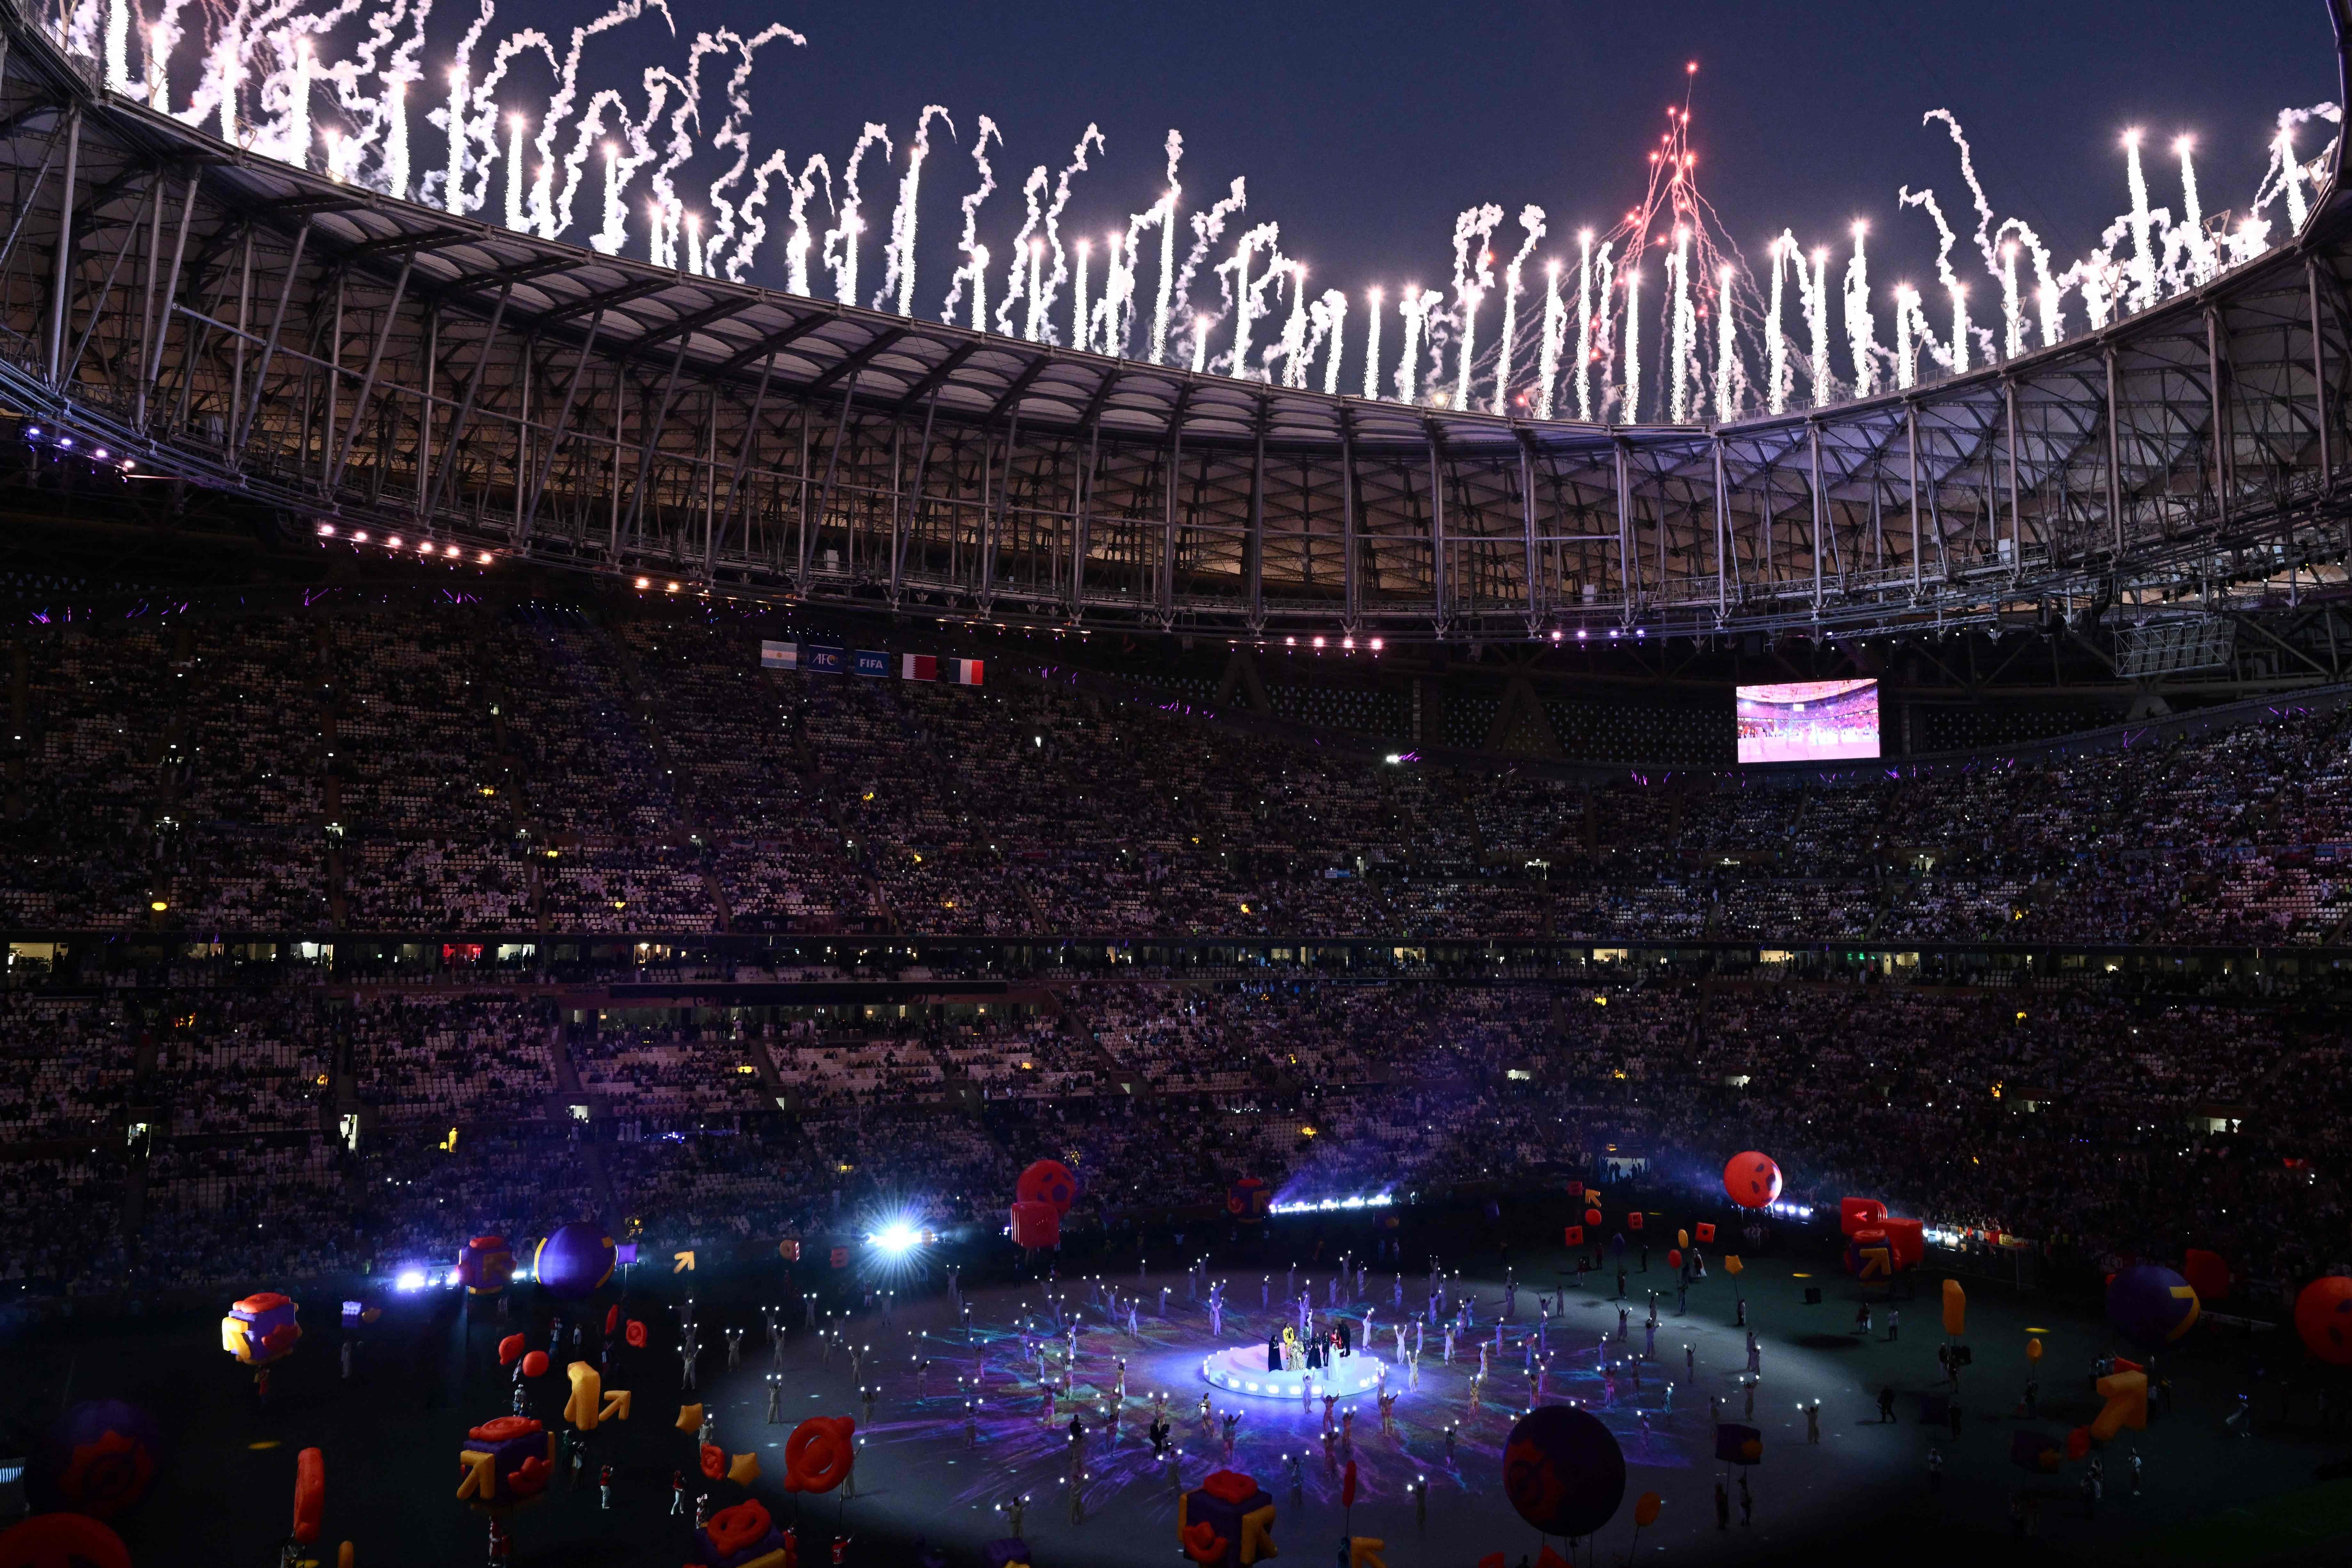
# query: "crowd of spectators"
x,y
529,771
2086,1120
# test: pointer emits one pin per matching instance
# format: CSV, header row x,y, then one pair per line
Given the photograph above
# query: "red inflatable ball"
x,y
510,1350
2207,1274
62,1541
1592,1219
99,1458
1751,1180
1674,1258
819,1454
714,1462
1036,1225
634,1336
535,1364
1047,1182
2322,1318
2078,1443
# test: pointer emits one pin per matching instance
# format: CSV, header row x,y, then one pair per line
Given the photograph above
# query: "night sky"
x,y
1364,127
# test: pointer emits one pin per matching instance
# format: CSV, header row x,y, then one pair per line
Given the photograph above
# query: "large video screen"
x,y
1808,721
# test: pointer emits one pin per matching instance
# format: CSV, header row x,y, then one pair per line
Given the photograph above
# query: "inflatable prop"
x,y
1704,1231
1645,1510
62,1541
634,1336
743,1468
1049,1181
744,1536
2151,1306
573,1264
510,1349
261,1329
535,1364
485,1267
506,1461
2207,1274
2036,1451
98,1458
1036,1225
819,1454
1738,1445
1571,1236
1226,1522
712,1459
1956,1309
1869,1254
689,1419
1634,1220
590,1403
1364,1552
2034,1350
2125,1393
1563,1470
1751,1180
1249,1200
310,1494
1856,1214
2322,1318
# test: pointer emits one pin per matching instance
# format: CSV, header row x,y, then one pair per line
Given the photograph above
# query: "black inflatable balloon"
x,y
1563,1471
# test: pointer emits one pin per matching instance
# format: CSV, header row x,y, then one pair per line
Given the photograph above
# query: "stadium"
x,y
793,933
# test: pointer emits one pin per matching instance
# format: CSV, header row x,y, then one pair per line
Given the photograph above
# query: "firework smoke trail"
x,y
1776,343
1959,329
1473,230
544,218
1232,274
2201,248
841,241
2142,267
1409,308
1092,137
1631,414
974,270
1584,324
690,109
801,243
1532,223
1200,344
482,129
899,270
1294,329
1207,227
396,140
1372,297
1555,326
621,167
1016,276
118,46
2049,294
1078,296
1860,326
2014,344
1815,291
1683,328
1167,210
296,147
1605,289
516,219
1906,365
1099,329
725,214
1331,324
1726,348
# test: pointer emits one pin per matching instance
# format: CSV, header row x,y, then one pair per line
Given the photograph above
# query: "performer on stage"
x,y
1274,1350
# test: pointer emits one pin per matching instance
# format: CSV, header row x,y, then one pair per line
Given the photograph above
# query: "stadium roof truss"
x,y
370,363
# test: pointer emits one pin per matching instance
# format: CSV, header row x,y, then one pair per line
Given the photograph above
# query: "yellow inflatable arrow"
x,y
680,1262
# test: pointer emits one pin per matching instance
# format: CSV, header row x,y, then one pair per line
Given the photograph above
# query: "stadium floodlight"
x,y
896,1238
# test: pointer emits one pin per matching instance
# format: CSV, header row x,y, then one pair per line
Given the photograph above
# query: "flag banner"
x,y
780,655
918,666
873,662
962,672
821,659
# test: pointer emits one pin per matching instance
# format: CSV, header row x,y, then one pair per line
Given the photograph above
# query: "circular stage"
x,y
1243,1371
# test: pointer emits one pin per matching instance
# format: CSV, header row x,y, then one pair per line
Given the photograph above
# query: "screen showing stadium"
x,y
1808,721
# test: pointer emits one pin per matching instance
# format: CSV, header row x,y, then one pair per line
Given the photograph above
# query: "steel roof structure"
x,y
373,365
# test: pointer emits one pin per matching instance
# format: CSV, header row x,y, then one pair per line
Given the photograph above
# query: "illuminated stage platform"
x,y
1243,1371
